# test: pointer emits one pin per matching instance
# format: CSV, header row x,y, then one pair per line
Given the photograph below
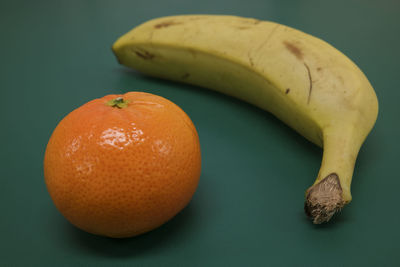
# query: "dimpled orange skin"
x,y
121,172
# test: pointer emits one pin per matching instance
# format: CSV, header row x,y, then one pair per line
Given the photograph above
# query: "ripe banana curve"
x,y
302,80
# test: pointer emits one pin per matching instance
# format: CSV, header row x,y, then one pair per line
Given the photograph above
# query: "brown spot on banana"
x,y
166,24
242,27
144,54
185,76
294,50
251,61
310,83
250,21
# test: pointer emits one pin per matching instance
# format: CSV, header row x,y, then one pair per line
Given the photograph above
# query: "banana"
x,y
302,80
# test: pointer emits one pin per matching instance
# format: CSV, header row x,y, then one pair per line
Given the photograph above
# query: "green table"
x,y
248,209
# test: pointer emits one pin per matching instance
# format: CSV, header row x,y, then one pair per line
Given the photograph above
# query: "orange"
x,y
122,165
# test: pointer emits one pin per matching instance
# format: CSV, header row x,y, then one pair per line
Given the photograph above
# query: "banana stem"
x,y
331,190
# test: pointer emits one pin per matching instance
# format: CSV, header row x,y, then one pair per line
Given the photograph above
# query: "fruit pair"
x,y
299,78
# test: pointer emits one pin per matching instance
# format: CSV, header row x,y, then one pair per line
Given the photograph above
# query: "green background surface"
x,y
248,209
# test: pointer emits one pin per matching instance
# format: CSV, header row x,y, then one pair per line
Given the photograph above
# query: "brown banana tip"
x,y
324,199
